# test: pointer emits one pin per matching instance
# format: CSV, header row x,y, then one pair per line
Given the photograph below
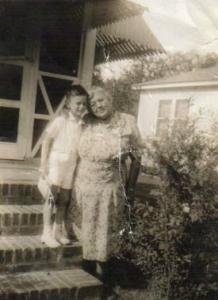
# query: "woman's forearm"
x,y
133,173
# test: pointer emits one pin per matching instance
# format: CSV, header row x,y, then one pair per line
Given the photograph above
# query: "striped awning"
x,y
103,11
121,30
126,39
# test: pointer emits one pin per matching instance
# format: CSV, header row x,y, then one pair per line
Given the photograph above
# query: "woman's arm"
x,y
134,171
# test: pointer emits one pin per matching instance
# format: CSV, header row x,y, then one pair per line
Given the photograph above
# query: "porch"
x,y
53,44
45,46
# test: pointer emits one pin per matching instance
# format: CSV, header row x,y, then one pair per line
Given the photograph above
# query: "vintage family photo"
x,y
108,149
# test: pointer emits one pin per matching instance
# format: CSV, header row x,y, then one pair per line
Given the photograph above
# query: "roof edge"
x,y
144,86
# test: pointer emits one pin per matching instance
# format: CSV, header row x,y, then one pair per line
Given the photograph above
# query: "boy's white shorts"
x,y
61,172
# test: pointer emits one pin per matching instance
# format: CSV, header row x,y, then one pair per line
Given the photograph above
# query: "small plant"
x,y
174,233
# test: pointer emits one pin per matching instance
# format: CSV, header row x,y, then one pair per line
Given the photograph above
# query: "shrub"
x,y
174,234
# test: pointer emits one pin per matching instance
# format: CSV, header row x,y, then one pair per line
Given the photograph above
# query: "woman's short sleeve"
x,y
131,133
54,127
136,140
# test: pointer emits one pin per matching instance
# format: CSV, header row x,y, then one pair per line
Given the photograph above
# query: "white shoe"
x,y
49,241
59,234
64,240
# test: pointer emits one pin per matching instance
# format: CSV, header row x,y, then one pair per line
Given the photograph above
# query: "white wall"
x,y
203,99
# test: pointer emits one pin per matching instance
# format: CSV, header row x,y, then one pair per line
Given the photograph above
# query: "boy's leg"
x,y
70,218
47,237
62,204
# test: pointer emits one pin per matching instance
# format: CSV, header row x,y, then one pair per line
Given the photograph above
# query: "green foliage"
x,y
174,235
172,64
146,69
125,99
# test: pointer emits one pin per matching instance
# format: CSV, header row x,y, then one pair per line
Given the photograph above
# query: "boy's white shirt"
x,y
65,130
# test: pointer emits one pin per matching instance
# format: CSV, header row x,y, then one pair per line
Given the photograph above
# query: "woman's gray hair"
x,y
97,89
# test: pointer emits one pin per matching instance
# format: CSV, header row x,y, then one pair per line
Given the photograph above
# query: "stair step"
x,y
21,219
50,285
19,193
24,253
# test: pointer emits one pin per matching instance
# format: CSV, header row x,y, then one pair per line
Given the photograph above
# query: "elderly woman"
x,y
102,186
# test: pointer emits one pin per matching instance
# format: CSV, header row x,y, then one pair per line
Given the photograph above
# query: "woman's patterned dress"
x,y
100,185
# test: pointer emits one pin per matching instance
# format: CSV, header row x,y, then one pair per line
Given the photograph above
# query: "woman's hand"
x,y
130,193
122,155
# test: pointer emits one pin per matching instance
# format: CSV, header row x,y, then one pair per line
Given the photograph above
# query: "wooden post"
x,y
29,95
87,49
33,53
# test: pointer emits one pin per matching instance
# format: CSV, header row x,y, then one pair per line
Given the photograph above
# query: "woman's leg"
x,y
62,204
47,236
108,292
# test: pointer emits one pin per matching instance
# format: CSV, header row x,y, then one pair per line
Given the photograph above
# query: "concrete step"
x,y
21,219
24,253
50,285
19,194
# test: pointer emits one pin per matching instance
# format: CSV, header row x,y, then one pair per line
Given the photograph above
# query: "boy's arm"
x,y
46,145
50,133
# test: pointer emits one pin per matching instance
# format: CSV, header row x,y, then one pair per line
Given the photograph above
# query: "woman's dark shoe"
x,y
108,293
102,271
89,266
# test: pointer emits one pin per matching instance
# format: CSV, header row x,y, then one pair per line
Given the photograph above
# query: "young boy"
x,y
58,163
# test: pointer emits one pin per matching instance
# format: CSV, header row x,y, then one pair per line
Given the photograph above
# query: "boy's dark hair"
x,y
72,91
75,90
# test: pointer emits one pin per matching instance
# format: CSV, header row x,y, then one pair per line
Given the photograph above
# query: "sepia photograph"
x,y
108,149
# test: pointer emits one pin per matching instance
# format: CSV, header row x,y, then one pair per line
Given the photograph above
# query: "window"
x,y
12,30
10,98
163,117
10,82
171,112
61,39
8,124
182,108
181,112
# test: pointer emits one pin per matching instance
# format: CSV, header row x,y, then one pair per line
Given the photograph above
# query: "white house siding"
x,y
204,99
147,112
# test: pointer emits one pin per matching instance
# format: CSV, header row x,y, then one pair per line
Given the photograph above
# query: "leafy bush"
x,y
174,234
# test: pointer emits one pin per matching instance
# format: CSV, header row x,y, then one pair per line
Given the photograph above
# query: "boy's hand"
x,y
43,171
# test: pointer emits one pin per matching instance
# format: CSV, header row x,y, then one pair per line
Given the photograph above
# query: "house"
x,y
45,46
169,101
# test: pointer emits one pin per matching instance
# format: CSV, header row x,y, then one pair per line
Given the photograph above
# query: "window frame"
x,y
172,114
